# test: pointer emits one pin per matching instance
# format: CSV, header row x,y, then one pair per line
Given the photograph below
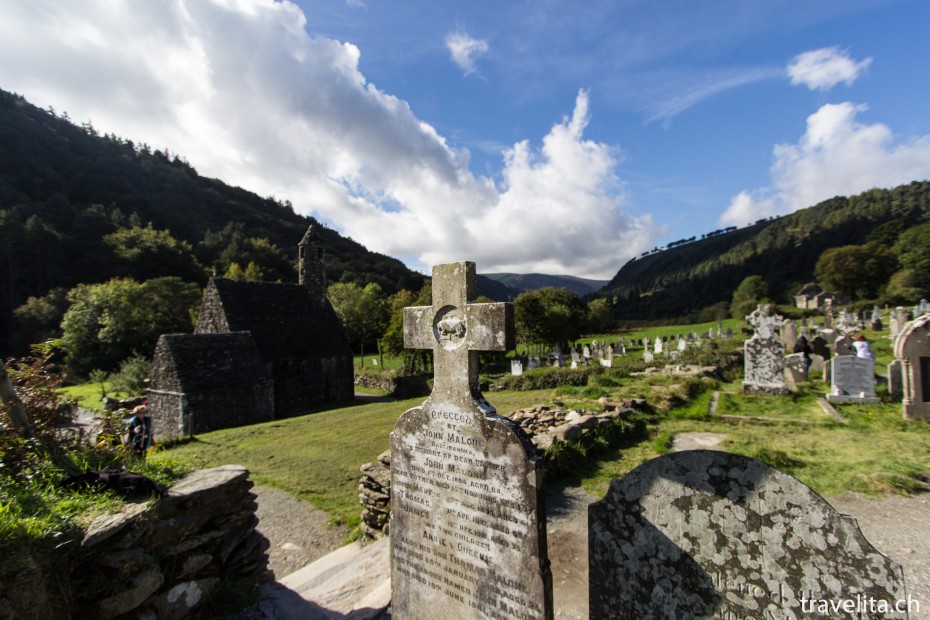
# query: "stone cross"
x,y
456,331
468,523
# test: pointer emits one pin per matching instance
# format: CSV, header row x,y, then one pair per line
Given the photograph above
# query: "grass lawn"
x,y
877,452
316,457
87,394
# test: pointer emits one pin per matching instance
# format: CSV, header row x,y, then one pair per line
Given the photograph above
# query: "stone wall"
x,y
155,559
299,382
543,424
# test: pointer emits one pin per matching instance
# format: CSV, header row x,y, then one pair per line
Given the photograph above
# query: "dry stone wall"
x,y
156,559
543,424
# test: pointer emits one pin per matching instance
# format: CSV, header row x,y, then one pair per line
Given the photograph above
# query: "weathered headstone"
x,y
764,364
707,534
895,380
789,334
468,537
648,357
682,345
852,380
843,345
912,349
516,367
657,347
898,320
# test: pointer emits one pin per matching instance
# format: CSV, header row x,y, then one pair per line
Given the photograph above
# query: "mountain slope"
x,y
63,188
784,251
533,281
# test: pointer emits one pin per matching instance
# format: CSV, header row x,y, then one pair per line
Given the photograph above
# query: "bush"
x,y
549,378
132,377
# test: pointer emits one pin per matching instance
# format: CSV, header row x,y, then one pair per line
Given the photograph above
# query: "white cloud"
x,y
241,90
824,68
465,50
837,155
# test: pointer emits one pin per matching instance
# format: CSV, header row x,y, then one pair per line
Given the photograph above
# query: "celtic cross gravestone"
x,y
468,537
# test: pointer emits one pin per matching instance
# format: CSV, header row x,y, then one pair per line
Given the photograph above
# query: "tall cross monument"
x,y
468,525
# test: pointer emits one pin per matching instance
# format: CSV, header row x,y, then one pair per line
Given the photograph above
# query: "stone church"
x,y
260,350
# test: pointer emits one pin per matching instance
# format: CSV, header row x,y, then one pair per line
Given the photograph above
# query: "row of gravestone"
x,y
852,378
692,534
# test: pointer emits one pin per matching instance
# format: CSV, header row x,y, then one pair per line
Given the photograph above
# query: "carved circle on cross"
x,y
449,327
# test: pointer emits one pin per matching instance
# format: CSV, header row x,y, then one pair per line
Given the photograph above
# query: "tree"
x,y
40,317
108,322
857,270
600,317
362,311
913,248
549,316
392,342
907,286
148,253
251,272
750,292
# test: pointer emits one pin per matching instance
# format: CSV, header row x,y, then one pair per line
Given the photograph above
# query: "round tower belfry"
x,y
310,264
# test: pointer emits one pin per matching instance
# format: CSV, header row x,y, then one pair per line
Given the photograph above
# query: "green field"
x,y
317,457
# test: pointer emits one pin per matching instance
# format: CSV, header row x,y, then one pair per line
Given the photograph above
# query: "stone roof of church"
x,y
285,320
199,362
810,289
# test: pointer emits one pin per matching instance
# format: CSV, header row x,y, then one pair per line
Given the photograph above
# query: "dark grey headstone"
x,y
852,380
707,534
468,525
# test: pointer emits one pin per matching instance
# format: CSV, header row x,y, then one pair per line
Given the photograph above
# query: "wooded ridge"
x,y
80,207
683,279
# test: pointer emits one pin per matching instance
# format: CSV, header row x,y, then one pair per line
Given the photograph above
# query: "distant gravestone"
x,y
648,357
764,353
898,320
843,345
895,381
657,347
586,352
516,367
682,345
852,380
789,334
912,349
729,333
707,534
468,536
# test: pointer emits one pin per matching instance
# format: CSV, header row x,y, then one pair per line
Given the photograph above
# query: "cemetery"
x,y
575,431
193,424
454,489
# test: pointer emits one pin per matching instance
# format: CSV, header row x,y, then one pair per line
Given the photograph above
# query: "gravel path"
x,y
896,526
298,532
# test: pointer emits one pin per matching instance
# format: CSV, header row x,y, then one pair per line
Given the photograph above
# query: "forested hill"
x,y
694,275
65,190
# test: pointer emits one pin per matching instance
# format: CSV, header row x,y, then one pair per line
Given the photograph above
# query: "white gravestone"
x,y
516,368
468,526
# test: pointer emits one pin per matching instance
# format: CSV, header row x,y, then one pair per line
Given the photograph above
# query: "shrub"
x,y
549,378
132,377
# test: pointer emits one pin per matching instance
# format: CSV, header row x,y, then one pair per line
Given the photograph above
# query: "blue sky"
x,y
553,137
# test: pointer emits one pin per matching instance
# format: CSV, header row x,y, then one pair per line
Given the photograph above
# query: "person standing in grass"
x,y
140,431
863,349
